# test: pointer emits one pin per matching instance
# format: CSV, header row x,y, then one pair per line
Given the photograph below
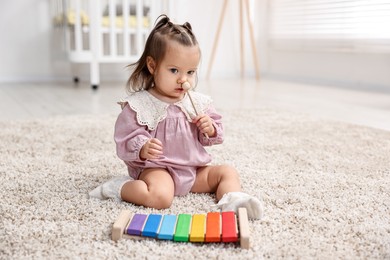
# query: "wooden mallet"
x,y
187,86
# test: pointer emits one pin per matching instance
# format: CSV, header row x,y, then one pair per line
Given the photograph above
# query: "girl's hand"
x,y
152,149
204,124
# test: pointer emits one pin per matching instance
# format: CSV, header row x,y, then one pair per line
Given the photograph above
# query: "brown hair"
x,y
155,47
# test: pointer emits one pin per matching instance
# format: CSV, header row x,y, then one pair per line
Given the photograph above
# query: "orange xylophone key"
x,y
213,227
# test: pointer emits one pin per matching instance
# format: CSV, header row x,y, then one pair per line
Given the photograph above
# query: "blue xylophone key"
x,y
152,225
167,229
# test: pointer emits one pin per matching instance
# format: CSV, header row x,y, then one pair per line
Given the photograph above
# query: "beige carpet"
x,y
325,187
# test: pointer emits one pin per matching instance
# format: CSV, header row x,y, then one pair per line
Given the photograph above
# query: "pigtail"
x,y
161,21
187,25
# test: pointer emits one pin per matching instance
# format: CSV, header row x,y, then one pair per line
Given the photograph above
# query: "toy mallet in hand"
x,y
187,86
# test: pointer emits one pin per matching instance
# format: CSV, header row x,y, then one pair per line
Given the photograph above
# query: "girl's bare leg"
x,y
154,189
220,179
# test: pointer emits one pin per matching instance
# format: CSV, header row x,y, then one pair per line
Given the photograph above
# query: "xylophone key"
x,y
229,227
152,225
167,229
198,228
136,224
213,227
182,228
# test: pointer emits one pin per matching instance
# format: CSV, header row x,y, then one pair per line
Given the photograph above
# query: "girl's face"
x,y
179,65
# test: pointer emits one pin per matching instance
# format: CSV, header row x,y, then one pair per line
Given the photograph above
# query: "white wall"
x,y
24,30
27,48
357,70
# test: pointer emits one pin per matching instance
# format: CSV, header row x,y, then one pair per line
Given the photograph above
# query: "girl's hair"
x,y
155,47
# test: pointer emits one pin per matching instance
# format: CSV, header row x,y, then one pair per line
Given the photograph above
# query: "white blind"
x,y
348,24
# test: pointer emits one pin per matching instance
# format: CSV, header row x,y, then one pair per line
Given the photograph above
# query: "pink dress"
x,y
144,116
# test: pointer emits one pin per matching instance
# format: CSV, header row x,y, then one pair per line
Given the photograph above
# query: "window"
x,y
330,24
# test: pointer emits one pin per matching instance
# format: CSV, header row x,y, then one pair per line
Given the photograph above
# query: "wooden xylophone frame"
x,y
242,228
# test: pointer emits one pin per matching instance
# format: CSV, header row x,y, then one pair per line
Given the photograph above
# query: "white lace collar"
x,y
150,110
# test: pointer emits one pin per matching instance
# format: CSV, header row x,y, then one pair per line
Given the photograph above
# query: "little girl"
x,y
161,133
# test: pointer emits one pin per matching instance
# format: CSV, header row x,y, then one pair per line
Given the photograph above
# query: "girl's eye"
x,y
191,72
174,71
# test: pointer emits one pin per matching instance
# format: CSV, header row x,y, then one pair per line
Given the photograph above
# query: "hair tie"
x,y
187,25
161,21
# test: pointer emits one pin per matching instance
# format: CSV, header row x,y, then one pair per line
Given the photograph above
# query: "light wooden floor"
x,y
26,101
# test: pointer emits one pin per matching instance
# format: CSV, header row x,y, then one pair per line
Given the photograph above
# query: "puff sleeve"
x,y
129,135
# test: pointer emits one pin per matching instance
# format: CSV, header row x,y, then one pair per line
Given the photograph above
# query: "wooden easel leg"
x,y
216,38
244,4
242,43
253,43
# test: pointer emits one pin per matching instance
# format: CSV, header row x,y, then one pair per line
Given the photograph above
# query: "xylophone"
x,y
210,227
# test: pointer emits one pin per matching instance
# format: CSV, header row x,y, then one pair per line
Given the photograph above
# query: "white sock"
x,y
232,201
110,189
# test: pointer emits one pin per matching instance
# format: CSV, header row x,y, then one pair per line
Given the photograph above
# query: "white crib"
x,y
98,31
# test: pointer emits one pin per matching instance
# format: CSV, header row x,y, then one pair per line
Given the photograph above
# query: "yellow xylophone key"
x,y
198,228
